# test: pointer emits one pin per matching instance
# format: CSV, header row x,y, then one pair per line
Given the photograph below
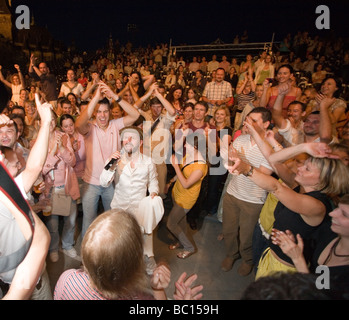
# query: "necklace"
x,y
334,250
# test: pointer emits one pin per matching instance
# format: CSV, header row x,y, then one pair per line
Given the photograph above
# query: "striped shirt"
x,y
243,99
242,187
75,285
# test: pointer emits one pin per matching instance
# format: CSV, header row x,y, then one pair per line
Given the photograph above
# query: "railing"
x,y
228,49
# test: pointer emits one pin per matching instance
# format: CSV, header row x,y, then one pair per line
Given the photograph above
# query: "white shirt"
x,y
131,184
292,135
212,66
11,237
78,89
242,187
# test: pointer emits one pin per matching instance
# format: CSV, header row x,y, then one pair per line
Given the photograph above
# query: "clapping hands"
x,y
184,289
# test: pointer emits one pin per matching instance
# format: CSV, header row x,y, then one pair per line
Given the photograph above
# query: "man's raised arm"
x,y
32,66
132,112
82,120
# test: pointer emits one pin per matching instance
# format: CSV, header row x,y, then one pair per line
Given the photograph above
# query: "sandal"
x,y
185,254
174,246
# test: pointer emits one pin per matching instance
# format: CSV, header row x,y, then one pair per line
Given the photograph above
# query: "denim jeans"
x,y
52,223
90,197
214,192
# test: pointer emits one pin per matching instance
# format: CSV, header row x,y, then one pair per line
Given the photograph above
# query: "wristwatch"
x,y
249,173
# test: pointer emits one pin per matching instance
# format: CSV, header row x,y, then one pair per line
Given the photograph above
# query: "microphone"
x,y
113,160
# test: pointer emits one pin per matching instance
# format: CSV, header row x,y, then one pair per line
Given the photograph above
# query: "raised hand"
x,y
5,120
252,128
154,88
106,90
44,110
32,59
284,88
266,84
320,150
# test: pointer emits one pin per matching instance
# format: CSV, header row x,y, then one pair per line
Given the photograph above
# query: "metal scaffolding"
x,y
231,49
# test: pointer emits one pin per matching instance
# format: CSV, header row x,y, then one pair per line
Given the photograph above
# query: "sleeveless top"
x,y
16,89
263,75
186,198
285,219
287,101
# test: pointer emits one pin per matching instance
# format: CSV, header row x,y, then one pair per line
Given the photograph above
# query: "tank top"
x,y
263,75
287,101
285,219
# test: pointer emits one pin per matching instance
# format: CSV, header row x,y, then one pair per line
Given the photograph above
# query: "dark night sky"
x,y
89,22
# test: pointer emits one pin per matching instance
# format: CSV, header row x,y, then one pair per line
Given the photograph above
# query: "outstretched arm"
x,y
311,209
148,80
167,105
266,93
38,153
132,113
278,118
133,91
33,67
145,97
325,129
3,80
21,78
82,120
90,87
315,149
242,86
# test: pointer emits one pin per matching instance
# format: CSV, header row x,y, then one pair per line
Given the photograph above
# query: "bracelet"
x,y
118,99
277,145
249,173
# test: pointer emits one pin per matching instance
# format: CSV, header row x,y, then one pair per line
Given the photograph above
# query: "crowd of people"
x,y
262,144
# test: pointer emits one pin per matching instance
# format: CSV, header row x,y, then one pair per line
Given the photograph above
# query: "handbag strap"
x,y
11,191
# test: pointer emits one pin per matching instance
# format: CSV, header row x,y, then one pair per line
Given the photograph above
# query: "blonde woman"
x,y
304,202
332,250
16,84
